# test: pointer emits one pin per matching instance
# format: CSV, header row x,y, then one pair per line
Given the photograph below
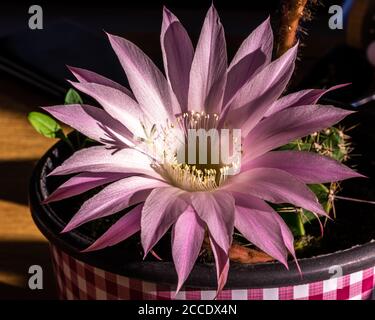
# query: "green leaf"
x,y
308,216
73,97
320,190
294,222
322,193
45,125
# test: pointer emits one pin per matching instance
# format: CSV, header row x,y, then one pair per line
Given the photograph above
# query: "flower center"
x,y
189,152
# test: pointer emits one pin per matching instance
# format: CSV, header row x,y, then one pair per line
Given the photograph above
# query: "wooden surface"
x,y
21,243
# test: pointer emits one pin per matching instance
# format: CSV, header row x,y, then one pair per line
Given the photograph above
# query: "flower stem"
x,y
291,13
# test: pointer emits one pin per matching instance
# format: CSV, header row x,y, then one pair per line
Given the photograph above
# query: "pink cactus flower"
x,y
137,156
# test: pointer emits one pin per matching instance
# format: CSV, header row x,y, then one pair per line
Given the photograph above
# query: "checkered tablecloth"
x,y
78,280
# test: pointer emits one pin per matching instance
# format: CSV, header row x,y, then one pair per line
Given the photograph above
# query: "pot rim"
x,y
203,276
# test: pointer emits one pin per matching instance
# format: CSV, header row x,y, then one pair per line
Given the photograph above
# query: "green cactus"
x,y
332,142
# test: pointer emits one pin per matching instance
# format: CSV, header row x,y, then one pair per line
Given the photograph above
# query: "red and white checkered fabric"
x,y
78,280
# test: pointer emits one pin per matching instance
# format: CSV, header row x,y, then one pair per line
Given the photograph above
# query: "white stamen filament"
x,y
197,120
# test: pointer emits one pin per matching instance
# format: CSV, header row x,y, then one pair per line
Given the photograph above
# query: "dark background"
x,y
74,35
